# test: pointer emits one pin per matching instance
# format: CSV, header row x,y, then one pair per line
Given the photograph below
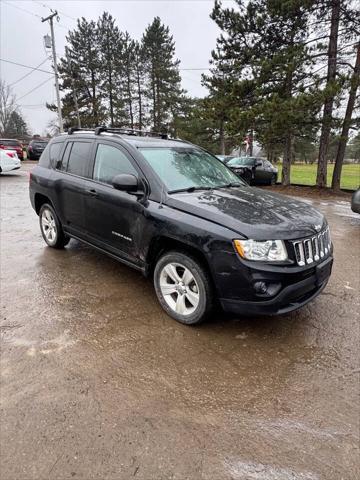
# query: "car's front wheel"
x,y
273,180
183,287
50,227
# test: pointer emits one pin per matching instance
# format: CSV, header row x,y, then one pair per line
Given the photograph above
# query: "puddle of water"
x,y
240,470
46,347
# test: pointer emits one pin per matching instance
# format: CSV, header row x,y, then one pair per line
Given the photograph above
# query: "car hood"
x,y
251,212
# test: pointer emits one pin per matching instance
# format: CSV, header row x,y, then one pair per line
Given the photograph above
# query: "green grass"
x,y
305,174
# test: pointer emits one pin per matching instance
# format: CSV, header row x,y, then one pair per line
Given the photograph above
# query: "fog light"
x,y
260,287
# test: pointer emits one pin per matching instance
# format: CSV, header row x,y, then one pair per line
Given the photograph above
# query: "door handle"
x,y
92,192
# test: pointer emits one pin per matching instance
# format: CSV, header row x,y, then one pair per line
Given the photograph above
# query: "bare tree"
x,y
7,106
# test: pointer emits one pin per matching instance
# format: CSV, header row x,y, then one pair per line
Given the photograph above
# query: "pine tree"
x,y
337,22
321,177
139,78
17,126
82,69
163,81
263,47
354,84
110,49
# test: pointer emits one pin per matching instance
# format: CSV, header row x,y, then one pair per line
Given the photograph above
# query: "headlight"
x,y
268,251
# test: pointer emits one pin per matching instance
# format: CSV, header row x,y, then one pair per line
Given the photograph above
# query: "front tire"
x,y
247,177
50,227
183,288
273,180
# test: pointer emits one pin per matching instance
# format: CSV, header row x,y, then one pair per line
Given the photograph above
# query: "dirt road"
x,y
98,383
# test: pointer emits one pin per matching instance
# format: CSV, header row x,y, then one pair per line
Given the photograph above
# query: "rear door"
x,y
69,184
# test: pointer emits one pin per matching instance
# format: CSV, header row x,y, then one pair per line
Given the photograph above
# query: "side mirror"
x,y
258,163
125,183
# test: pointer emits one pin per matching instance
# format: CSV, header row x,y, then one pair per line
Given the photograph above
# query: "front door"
x,y
114,219
260,174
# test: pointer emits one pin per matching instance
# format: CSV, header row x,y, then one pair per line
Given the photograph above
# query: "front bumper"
x,y
289,298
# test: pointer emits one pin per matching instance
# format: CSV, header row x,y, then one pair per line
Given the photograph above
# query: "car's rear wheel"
x,y
50,227
183,287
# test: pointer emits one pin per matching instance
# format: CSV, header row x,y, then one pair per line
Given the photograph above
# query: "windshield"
x,y
242,161
186,168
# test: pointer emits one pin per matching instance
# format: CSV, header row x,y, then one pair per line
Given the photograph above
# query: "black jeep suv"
x,y
177,213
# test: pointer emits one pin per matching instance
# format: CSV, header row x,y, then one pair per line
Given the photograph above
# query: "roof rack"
x,y
123,131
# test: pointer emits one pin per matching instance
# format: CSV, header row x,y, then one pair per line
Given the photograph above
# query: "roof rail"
x,y
72,130
122,130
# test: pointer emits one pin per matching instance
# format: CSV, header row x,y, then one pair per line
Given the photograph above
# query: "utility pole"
x,y
50,19
74,88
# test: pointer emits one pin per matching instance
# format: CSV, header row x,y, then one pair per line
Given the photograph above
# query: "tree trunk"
x,y
154,99
222,137
321,178
251,146
130,97
158,126
285,175
139,96
111,98
93,87
355,81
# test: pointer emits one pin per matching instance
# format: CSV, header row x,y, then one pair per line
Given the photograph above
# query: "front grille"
x,y
312,249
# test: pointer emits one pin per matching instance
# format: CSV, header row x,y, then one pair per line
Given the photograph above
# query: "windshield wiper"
x,y
230,185
189,189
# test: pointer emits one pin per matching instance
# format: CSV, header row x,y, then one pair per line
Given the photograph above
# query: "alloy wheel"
x,y
48,226
179,288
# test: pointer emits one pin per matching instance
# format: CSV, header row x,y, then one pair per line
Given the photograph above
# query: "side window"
x,y
65,157
111,161
79,158
55,149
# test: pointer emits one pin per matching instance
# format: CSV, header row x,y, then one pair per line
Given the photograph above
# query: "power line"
x,y
23,9
33,14
47,6
26,66
35,88
29,73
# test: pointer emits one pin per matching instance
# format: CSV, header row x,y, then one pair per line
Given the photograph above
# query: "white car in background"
x,y
8,161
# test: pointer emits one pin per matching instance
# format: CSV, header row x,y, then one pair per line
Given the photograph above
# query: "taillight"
x,y
12,155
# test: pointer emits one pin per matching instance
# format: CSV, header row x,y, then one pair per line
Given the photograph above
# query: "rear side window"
x,y
79,158
111,161
50,155
55,149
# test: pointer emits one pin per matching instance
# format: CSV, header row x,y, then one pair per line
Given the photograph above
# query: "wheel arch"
x,y
39,200
163,244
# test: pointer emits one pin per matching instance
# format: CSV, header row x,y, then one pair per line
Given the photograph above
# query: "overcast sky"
x,y
22,41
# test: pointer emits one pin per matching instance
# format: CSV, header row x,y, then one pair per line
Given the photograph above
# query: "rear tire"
x,y
183,287
51,228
